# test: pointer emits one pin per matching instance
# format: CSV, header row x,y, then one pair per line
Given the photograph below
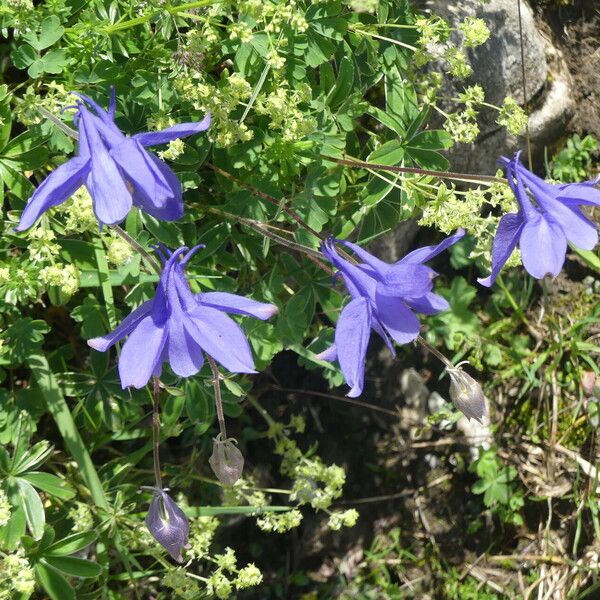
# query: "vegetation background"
x,y
389,496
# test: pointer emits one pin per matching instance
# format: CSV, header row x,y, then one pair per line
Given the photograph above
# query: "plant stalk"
x,y
218,400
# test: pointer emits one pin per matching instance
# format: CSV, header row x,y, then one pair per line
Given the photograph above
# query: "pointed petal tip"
x,y
485,281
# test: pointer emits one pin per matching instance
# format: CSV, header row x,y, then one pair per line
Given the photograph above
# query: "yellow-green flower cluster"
x,y
339,519
78,213
458,63
220,585
202,532
280,522
512,116
5,511
281,106
118,251
241,31
26,111
274,16
175,149
363,6
462,125
16,577
220,100
183,586
41,246
248,576
451,210
82,517
432,30
476,32
63,276
19,282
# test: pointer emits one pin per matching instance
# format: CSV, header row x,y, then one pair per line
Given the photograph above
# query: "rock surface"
x,y
497,67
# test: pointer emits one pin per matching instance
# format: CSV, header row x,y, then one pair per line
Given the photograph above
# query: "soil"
x,y
575,31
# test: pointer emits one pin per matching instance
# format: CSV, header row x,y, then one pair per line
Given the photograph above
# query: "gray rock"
x,y
497,67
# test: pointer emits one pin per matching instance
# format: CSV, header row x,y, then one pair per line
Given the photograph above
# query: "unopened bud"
x,y
226,461
168,524
467,395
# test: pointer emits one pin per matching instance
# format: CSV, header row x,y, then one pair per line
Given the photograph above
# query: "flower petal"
x,y
505,241
129,323
429,304
352,335
60,185
543,247
578,229
222,338
238,305
150,184
379,266
422,255
185,355
580,193
141,353
181,130
110,196
172,209
328,355
358,282
407,280
399,321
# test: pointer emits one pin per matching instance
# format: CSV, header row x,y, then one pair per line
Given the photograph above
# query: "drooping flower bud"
x,y
466,394
168,524
226,461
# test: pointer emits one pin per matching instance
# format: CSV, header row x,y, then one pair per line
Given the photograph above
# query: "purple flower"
x,y
116,170
168,524
176,326
549,216
383,298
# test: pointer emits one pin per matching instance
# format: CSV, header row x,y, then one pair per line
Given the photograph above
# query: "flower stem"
x,y
137,247
265,197
523,81
435,352
172,10
263,229
218,400
441,174
262,410
534,332
156,432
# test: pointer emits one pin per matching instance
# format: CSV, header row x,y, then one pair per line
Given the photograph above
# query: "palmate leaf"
x,y
57,587
32,506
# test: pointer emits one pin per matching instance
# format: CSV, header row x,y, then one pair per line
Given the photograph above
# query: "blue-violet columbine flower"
x,y
177,326
548,217
168,524
116,170
383,298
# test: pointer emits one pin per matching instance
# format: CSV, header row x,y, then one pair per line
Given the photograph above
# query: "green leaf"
x,y
24,337
432,139
31,458
32,506
59,409
391,154
343,84
75,567
54,61
53,582
23,56
51,484
51,32
5,116
428,159
72,543
14,530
